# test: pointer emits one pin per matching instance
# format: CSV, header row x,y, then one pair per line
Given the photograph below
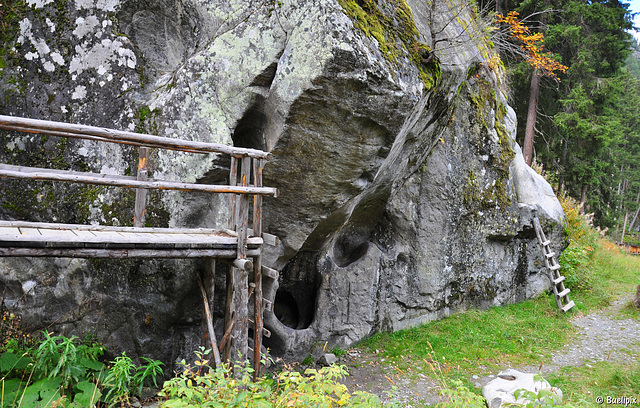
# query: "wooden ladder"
x,y
561,293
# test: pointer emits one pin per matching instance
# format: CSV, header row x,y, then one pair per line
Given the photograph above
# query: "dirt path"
x,y
602,335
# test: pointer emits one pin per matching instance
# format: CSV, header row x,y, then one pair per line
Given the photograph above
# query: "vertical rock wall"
x,y
404,197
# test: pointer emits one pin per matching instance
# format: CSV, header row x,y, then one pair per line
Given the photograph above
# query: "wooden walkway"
x,y
240,241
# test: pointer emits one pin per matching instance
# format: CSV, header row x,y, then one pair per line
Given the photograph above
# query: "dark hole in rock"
x,y
295,303
286,309
249,131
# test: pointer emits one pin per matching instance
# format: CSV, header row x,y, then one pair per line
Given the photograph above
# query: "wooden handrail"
x,y
118,136
34,173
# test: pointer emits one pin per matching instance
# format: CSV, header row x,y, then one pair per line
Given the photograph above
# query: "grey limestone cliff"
x,y
404,197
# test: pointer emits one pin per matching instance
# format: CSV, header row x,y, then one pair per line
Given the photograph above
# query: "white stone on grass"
x,y
502,390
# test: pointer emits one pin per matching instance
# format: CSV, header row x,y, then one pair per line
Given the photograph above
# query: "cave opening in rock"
x,y
249,130
295,302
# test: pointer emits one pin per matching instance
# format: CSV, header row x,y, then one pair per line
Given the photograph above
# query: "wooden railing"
x,y
240,240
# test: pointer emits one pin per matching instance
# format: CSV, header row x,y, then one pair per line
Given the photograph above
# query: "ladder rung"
x,y
560,279
550,254
270,273
564,293
268,305
568,306
554,267
545,243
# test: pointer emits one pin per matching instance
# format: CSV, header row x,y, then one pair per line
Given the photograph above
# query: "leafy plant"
x,y
203,386
63,371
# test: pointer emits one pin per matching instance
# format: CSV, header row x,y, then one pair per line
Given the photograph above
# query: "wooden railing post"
x,y
139,213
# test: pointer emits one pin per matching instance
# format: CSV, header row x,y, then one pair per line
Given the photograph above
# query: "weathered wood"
x,y
118,136
209,319
225,339
257,272
270,273
19,238
42,234
241,276
244,264
233,181
119,181
139,212
82,227
229,315
120,253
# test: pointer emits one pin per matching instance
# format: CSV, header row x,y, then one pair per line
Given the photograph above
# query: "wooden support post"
x,y
239,344
229,317
257,271
233,181
141,194
208,304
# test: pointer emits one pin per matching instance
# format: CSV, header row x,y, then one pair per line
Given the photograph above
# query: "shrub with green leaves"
x,y
576,260
203,386
66,372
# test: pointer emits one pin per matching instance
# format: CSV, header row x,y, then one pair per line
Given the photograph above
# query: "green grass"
x,y
600,379
525,333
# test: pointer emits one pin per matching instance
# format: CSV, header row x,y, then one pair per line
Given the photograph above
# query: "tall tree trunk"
x,y
530,129
583,198
624,229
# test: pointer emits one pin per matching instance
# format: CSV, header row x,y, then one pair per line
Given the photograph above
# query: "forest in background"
x,y
586,138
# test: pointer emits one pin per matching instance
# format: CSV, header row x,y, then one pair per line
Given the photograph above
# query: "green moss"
x,y
506,150
396,33
11,13
146,119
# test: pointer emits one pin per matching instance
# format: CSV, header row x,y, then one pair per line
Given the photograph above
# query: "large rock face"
x,y
404,197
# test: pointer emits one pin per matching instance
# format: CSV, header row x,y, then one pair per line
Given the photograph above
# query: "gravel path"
x,y
602,335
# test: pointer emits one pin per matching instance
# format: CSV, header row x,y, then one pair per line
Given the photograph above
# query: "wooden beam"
x,y
118,136
257,272
119,253
209,319
122,181
239,345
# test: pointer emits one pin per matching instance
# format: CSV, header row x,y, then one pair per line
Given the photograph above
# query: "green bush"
x,y
66,372
203,386
577,260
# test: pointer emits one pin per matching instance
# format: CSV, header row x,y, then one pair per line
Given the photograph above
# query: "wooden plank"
x,y
139,212
76,227
568,306
118,136
112,237
270,273
118,181
27,232
5,230
120,253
